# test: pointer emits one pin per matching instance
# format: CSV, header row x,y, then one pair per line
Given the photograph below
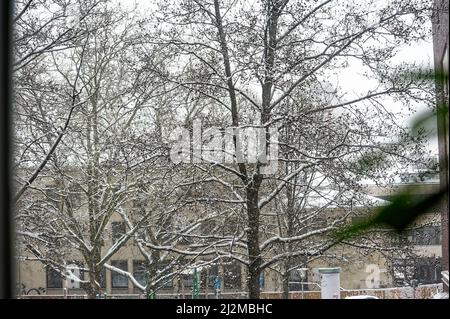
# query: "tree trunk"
x,y
254,254
93,288
285,279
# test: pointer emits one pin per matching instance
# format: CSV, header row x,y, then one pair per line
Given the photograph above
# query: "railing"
x,y
314,284
420,292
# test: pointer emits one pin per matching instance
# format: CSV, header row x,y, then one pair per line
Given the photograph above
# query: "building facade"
x,y
361,268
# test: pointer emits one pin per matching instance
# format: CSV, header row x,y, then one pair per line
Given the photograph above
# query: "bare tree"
x,y
40,28
110,156
115,91
253,58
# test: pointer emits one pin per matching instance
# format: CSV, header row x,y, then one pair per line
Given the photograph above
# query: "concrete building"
x,y
360,268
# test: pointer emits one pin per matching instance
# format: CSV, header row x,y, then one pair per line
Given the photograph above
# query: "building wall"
x,y
356,268
359,270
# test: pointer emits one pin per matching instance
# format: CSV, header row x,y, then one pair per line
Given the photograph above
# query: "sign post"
x,y
217,286
195,292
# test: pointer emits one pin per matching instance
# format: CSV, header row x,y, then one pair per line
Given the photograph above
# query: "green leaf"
x,y
398,215
405,207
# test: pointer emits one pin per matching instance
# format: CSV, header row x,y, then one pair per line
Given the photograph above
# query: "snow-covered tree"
x,y
109,155
254,58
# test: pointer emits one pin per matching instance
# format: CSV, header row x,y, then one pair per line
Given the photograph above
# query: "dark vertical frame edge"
x,y
6,234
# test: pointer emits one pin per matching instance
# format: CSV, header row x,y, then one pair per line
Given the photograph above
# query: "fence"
x,y
420,292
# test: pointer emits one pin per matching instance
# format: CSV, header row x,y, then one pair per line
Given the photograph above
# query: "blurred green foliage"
x,y
404,207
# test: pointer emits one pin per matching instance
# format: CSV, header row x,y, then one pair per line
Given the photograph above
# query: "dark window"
x,y
102,279
188,277
213,272
297,280
118,280
118,230
75,193
188,280
164,269
140,236
52,197
232,275
139,270
208,227
54,279
428,270
402,272
262,280
426,235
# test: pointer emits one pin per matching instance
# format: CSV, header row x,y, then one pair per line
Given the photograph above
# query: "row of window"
x,y
231,275
424,236
426,270
428,235
118,229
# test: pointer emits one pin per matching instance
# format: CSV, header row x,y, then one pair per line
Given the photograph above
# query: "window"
x,y
76,268
402,272
52,197
118,280
188,277
118,230
139,270
426,235
213,272
54,279
208,227
232,275
297,279
140,234
428,270
102,278
188,280
164,269
262,280
74,194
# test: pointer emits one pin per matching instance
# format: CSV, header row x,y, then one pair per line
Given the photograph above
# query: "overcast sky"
x,y
351,78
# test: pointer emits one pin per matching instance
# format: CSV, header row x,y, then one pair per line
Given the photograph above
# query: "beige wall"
x,y
354,267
